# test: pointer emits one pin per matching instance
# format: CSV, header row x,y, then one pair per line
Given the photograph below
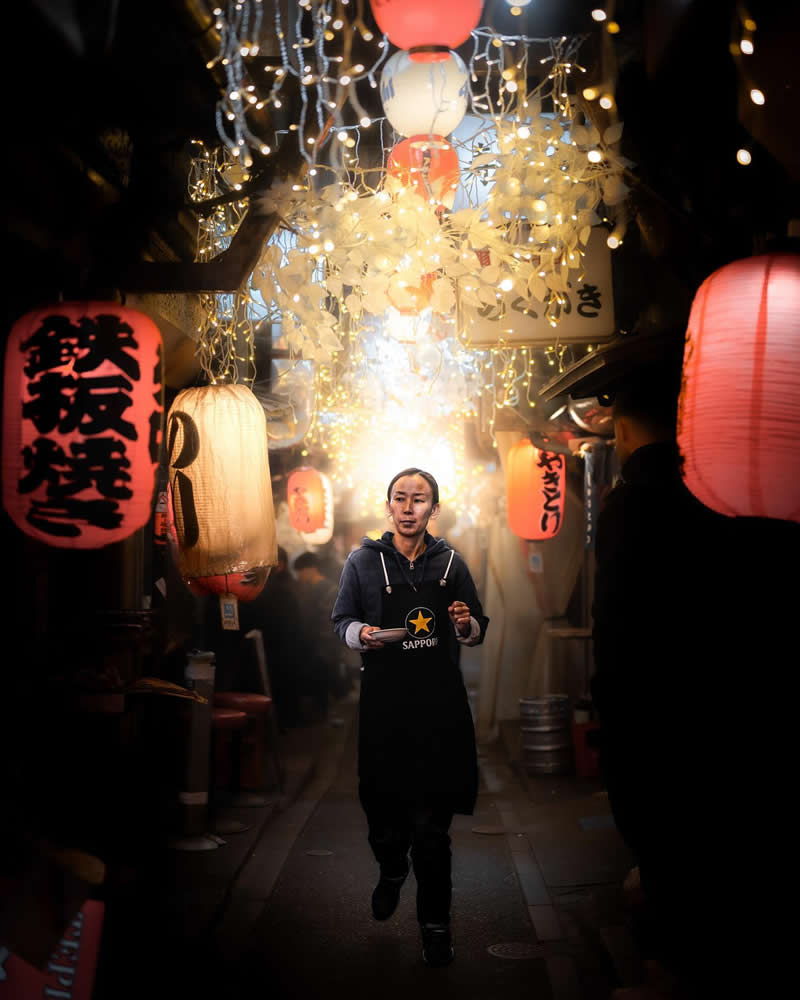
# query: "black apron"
x,y
416,740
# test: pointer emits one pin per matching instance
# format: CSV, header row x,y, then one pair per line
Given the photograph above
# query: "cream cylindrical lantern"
x,y
425,93
221,488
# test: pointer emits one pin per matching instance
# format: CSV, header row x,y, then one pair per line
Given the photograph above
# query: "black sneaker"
x,y
437,945
385,896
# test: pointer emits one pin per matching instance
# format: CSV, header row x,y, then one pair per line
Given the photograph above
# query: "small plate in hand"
x,y
389,634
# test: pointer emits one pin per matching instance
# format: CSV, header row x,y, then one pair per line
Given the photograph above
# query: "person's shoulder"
x,y
362,556
459,565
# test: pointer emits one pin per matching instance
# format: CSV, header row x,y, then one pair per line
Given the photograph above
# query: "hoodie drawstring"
x,y
388,587
443,581
385,574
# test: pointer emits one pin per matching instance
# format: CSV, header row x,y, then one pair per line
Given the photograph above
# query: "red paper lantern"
x,y
535,488
411,23
739,408
310,497
420,296
428,166
82,419
71,969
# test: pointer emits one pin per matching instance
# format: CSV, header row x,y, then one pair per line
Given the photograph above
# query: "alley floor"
x,y
283,910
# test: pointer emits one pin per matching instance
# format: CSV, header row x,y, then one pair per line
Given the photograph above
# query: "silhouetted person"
x,y
318,595
276,612
678,593
416,757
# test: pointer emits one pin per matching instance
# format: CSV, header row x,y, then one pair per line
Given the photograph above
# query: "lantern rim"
x,y
428,53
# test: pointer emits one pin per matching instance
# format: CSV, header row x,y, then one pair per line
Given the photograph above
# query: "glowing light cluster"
x,y
398,397
226,334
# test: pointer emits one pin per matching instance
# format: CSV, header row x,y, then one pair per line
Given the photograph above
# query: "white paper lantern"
x,y
223,514
424,93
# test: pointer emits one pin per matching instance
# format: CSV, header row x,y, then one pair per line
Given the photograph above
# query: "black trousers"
x,y
397,828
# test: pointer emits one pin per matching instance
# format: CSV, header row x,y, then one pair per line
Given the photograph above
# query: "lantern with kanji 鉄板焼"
x,y
535,489
82,420
220,490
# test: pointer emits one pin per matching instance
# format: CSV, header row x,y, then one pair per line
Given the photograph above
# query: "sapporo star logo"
x,y
422,623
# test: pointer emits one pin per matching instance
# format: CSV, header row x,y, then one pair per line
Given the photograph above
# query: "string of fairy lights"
x,y
377,373
226,335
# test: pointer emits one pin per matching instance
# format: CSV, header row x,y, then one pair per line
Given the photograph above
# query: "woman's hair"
x,y
415,472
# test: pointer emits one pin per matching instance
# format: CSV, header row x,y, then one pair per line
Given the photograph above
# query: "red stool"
x,y
226,725
587,752
224,722
259,740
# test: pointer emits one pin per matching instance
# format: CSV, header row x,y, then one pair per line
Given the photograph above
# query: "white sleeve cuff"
x,y
352,635
474,633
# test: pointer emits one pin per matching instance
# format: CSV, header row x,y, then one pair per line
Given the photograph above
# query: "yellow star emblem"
x,y
420,623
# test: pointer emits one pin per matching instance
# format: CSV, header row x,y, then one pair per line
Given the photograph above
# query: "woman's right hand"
x,y
364,636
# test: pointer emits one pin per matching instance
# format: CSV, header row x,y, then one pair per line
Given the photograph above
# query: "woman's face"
x,y
411,505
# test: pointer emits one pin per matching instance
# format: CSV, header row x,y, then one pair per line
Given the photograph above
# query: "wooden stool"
x,y
259,739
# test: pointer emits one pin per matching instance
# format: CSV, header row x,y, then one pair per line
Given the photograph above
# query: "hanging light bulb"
x,y
614,238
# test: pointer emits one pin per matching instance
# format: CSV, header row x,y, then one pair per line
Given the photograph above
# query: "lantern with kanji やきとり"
x,y
739,407
535,488
309,495
424,93
220,490
427,166
82,422
412,23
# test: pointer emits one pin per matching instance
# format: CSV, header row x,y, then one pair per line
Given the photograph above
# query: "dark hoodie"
x,y
362,585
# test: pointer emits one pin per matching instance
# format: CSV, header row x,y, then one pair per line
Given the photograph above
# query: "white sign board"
x,y
587,315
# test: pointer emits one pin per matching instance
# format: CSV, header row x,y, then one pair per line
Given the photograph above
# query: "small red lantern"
x,y
739,408
419,295
82,418
535,488
428,166
310,497
411,23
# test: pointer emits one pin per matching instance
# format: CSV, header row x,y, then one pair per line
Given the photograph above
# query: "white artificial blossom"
x,y
360,250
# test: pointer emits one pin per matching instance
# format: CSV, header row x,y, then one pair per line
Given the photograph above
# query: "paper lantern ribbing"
x,y
409,23
743,345
221,490
310,497
430,169
82,418
426,93
535,489
244,586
